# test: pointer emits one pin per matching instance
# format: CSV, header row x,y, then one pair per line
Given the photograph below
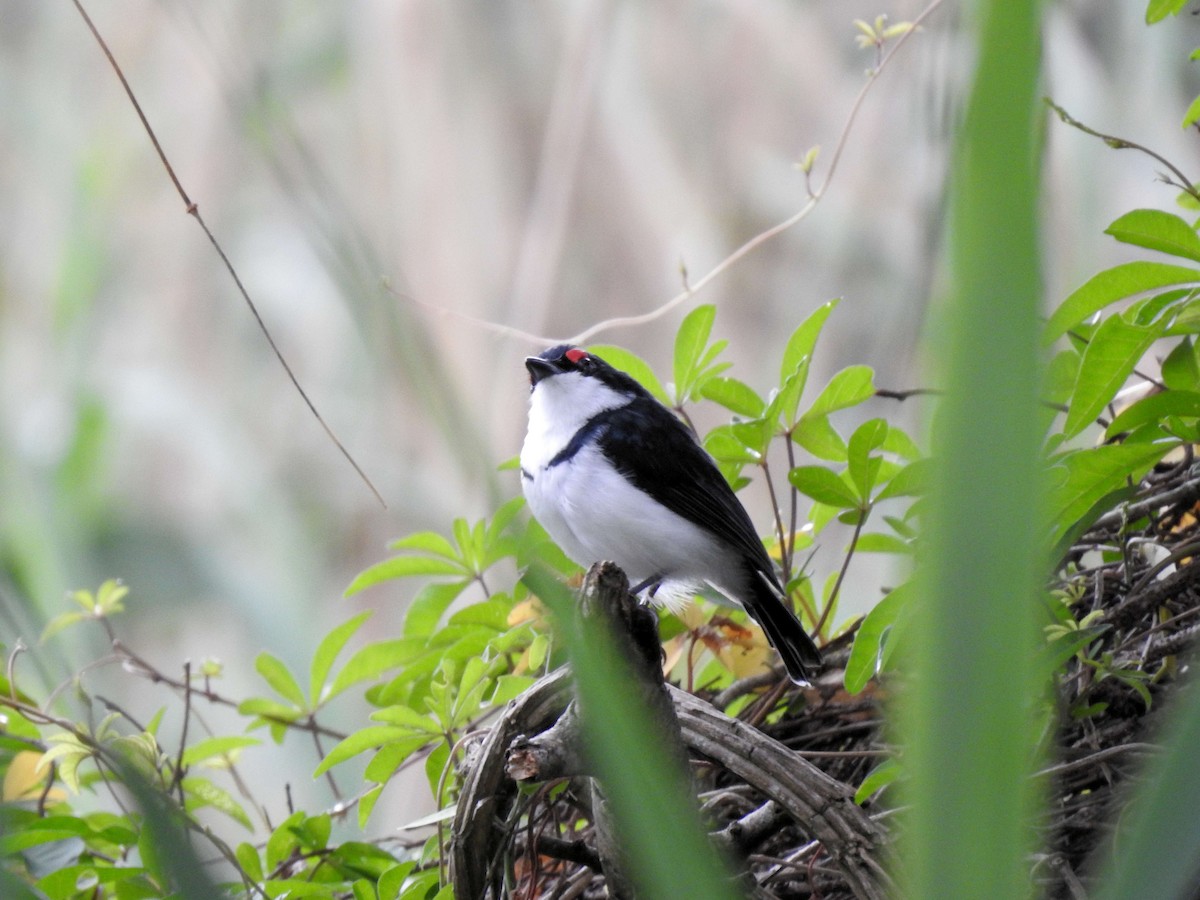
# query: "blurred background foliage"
x,y
378,171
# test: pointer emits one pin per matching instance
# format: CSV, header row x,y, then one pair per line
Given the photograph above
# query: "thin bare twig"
x,y
143,668
837,585
814,197
690,288
194,211
1118,143
177,780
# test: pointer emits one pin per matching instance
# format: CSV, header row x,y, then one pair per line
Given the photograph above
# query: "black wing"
x,y
658,454
653,449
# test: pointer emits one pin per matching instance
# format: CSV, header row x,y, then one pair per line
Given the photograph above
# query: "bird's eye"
x,y
579,358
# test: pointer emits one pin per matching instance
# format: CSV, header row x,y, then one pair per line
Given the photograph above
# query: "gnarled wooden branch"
x,y
538,737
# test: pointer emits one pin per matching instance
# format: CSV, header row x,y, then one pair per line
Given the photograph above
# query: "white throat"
x,y
558,407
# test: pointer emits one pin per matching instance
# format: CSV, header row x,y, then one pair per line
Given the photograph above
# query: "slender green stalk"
x,y
1155,851
969,710
659,825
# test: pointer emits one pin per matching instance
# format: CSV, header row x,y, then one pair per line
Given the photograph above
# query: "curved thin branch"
x,y
194,211
814,197
1182,182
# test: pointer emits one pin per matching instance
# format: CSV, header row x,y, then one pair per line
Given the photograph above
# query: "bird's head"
x,y
561,360
579,379
580,367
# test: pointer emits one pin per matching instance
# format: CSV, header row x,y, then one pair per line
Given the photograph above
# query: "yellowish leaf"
x,y
23,780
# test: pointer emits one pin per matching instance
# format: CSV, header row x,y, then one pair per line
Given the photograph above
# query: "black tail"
x,y
800,655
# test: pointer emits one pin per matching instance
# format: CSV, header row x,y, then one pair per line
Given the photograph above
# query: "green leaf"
x,y
875,542
1157,10
364,739
362,859
327,651
87,880
404,567
216,746
899,443
25,833
430,542
491,614
109,597
755,434
539,650
502,517
280,678
1096,471
620,358
867,437
268,709
1181,370
824,486
1192,115
202,792
1061,375
466,542
1164,310
800,345
392,755
509,687
868,652
314,831
1154,409
391,880
723,444
1153,848
786,401
374,659
847,388
250,861
690,342
408,719
1157,230
420,886
1109,359
471,682
283,840
296,888
734,395
61,622
428,607
1118,283
912,480
817,435
877,779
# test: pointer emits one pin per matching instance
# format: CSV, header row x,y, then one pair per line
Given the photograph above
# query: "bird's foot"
x,y
651,584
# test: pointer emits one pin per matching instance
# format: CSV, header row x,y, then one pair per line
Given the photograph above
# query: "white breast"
x,y
594,513
590,510
559,406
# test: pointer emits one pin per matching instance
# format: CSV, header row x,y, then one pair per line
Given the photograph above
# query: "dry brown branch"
x,y
792,793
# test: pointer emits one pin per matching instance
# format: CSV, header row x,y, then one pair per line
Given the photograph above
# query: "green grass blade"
x,y
669,855
1156,850
969,729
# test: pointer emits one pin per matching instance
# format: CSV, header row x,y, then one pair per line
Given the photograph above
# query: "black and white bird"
x,y
612,474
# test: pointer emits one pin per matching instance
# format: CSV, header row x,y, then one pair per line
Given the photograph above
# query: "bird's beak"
x,y
539,368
